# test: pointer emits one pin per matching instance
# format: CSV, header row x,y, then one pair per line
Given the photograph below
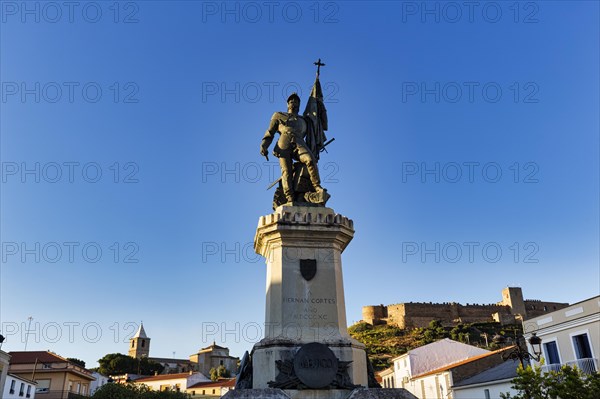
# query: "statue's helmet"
x,y
293,95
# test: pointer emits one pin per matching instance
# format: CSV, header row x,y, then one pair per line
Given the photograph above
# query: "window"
x,y
486,393
133,343
551,351
545,308
78,388
12,386
42,386
213,391
28,391
22,389
143,343
582,346
220,362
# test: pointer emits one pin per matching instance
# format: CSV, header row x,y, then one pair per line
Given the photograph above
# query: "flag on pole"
x,y
316,118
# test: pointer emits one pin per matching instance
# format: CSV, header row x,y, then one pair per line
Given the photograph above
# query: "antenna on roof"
x,y
27,333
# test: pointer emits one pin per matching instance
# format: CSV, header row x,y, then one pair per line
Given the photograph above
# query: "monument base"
x,y
269,352
360,393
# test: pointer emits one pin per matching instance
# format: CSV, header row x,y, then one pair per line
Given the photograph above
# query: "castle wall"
x,y
421,314
396,315
374,314
415,314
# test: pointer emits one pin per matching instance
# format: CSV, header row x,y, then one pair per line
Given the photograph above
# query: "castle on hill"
x,y
205,359
511,309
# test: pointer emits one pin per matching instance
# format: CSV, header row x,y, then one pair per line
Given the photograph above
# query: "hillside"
x,y
384,342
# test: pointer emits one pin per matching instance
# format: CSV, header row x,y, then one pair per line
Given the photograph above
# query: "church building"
x,y
205,359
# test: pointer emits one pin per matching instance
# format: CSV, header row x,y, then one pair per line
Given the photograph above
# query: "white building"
x,y
570,336
172,382
4,364
432,370
18,388
427,358
100,381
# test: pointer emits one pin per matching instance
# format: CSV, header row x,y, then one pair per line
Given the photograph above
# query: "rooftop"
x,y
222,382
462,362
166,377
140,333
503,371
33,356
440,354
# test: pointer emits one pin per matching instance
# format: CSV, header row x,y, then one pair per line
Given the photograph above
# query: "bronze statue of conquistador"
x,y
302,138
291,146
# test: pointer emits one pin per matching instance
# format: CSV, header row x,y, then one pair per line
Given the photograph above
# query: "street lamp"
x,y
520,352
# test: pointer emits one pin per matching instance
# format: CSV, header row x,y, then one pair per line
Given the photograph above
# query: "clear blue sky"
x,y
456,128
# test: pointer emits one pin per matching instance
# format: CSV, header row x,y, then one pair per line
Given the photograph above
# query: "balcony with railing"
x,y
587,366
47,394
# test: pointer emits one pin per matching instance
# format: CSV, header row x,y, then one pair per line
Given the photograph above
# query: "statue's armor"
x,y
292,129
291,145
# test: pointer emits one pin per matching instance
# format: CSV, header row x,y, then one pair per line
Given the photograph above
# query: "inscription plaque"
x,y
315,365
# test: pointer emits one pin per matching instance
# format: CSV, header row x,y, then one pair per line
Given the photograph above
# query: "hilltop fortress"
x,y
412,315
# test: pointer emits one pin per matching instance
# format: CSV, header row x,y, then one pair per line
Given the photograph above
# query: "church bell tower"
x,y
139,344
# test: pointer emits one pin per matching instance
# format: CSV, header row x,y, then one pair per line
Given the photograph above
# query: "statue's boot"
x,y
313,172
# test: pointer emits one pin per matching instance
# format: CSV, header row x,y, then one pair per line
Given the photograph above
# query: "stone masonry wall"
x,y
412,315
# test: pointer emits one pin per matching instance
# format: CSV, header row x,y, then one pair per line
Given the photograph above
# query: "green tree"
x,y
132,391
434,332
219,372
149,367
78,362
567,383
117,364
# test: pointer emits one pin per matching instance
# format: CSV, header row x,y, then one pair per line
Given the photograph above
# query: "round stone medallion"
x,y
315,365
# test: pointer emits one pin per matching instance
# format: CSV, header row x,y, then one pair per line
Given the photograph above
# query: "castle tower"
x,y
513,297
139,344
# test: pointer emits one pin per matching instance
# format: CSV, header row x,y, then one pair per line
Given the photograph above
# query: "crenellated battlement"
x,y
420,314
304,215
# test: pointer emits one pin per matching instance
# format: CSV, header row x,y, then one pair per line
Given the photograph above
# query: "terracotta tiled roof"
x,y
164,377
30,357
222,382
469,360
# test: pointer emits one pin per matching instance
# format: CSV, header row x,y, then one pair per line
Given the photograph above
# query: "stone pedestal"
x,y
305,292
360,393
